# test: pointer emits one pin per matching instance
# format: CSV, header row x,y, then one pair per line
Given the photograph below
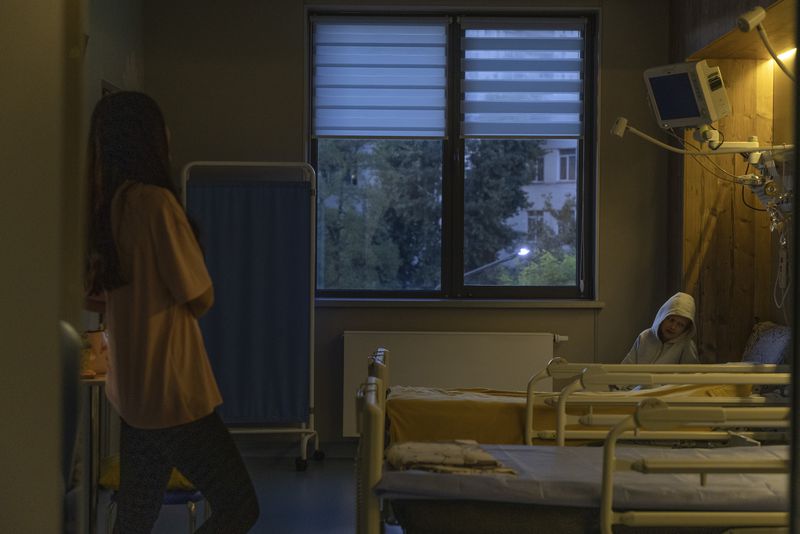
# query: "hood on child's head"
x,y
681,304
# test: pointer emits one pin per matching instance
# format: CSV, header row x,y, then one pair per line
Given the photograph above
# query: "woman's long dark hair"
x,y
127,141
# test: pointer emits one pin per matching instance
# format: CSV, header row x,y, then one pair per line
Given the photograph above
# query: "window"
x,y
568,166
537,168
535,225
440,143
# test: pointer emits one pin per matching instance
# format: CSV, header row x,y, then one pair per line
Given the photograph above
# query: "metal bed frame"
x,y
593,376
656,414
652,414
605,375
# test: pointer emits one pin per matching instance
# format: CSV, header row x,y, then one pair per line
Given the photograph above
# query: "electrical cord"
x,y
764,39
748,205
699,162
747,170
709,158
685,143
779,304
722,135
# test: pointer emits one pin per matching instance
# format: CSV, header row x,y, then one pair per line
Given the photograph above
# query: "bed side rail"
x,y
369,457
655,414
595,377
561,368
378,365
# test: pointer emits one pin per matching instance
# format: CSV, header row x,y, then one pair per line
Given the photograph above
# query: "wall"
x,y
114,58
729,254
697,23
115,52
48,68
38,84
694,24
231,80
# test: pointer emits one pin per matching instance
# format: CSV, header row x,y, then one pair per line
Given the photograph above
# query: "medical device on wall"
x,y
687,94
752,20
692,95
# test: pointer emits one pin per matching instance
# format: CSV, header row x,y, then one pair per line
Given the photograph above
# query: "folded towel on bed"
x,y
460,456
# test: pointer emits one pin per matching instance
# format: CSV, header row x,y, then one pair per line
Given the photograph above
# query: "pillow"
x,y
768,343
109,476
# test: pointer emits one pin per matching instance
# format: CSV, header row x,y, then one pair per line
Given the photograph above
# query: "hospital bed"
x,y
717,472
675,384
487,416
569,489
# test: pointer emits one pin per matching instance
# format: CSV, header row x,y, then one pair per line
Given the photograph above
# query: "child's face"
x,y
672,327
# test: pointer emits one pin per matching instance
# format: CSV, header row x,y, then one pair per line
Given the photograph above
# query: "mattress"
x,y
498,417
571,477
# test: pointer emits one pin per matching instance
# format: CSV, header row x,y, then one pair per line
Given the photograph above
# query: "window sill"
x,y
456,303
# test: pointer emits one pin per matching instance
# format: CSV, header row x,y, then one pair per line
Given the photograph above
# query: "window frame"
x,y
567,163
452,260
538,173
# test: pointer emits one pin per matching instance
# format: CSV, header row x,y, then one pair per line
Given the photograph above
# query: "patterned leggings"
x,y
205,453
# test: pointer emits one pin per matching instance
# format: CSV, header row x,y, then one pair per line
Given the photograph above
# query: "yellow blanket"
x,y
458,456
491,416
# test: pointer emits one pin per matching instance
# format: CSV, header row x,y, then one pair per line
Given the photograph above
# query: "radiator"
x,y
496,360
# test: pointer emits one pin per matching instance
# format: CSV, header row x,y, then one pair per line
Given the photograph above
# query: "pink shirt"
x,y
159,374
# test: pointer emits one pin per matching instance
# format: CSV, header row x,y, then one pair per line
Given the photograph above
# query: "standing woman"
x,y
145,257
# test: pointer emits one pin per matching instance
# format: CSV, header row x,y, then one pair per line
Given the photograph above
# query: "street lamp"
x,y
519,253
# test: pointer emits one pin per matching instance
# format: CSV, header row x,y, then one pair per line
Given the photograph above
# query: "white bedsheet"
x,y
570,476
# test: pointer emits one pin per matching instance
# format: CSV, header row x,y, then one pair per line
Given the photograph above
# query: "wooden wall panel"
x,y
764,257
726,243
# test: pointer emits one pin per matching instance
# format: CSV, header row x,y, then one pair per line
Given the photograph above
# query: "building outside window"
x,y
435,138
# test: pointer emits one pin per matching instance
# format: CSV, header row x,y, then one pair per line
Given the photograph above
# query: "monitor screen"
x,y
674,96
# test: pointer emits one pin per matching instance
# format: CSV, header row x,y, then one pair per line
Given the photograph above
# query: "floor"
x,y
318,500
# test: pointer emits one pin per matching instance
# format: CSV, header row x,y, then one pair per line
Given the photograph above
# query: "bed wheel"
x,y
319,455
300,464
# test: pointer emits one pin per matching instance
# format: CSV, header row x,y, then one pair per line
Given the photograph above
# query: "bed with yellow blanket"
x,y
498,417
463,487
488,416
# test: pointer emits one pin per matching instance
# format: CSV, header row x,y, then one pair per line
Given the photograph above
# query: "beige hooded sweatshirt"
x,y
648,347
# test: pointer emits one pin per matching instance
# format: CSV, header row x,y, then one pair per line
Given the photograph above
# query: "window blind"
x,y
522,78
374,78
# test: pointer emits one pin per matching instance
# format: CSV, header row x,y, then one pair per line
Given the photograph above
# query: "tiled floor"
x,y
318,500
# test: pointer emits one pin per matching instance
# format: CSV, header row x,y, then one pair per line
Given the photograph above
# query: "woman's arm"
x,y
200,305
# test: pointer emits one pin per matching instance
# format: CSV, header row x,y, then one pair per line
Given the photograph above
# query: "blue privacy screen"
x,y
256,234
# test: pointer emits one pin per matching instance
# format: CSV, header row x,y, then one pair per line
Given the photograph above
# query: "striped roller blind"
x,y
379,77
522,77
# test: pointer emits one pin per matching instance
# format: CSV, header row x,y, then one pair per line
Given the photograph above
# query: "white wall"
x,y
231,79
113,58
33,64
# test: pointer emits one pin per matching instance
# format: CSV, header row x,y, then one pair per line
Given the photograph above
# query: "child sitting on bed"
x,y
669,340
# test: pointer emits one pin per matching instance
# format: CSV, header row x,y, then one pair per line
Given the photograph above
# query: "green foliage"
x,y
380,215
496,172
380,204
410,173
546,269
558,243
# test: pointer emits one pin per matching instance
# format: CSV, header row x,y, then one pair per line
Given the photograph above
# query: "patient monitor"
x,y
687,94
